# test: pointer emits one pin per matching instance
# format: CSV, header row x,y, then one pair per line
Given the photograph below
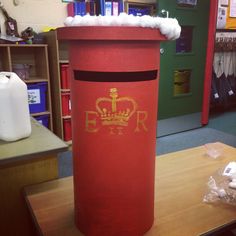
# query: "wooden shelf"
x,y
40,113
69,142
65,90
35,80
23,45
63,61
36,56
66,117
58,55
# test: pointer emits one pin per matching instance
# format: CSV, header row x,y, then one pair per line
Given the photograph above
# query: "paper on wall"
x,y
224,2
232,12
221,19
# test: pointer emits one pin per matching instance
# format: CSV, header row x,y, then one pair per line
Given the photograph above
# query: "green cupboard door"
x,y
182,67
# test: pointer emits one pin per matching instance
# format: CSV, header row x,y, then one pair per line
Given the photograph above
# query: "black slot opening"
x,y
115,76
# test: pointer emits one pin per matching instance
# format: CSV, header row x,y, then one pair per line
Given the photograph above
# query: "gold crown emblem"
x,y
114,110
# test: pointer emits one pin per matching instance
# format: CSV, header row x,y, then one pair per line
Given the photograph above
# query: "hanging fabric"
x,y
233,77
224,70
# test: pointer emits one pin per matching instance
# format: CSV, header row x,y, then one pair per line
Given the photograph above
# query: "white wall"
x,y
34,13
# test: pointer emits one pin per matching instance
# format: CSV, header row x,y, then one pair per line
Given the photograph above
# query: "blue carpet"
x,y
193,138
224,121
166,144
65,164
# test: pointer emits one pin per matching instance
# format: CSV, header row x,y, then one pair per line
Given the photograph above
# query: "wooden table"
x,y
181,179
24,162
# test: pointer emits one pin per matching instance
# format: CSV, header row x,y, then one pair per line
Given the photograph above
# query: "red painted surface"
x,y
109,33
209,60
114,129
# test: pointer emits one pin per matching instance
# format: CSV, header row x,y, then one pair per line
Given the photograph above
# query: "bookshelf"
x,y
35,56
112,7
59,72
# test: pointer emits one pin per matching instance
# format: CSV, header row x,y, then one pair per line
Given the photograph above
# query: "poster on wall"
x,y
221,18
232,12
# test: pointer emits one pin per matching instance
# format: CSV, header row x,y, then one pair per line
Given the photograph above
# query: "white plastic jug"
x,y
14,109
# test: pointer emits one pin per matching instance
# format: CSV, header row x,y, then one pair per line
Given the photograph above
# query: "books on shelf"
x,y
107,8
111,7
91,8
115,8
101,9
95,7
81,8
121,6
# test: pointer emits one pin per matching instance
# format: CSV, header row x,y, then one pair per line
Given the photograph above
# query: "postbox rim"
x,y
109,33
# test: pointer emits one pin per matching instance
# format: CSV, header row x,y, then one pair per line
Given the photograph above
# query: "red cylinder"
x,y
114,93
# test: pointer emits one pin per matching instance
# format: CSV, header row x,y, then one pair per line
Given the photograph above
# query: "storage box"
x,y
37,97
22,70
67,129
43,120
66,104
65,76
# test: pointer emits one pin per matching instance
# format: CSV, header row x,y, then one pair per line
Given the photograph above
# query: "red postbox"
x,y
114,91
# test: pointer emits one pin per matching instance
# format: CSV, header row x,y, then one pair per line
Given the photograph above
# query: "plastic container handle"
x,y
8,74
3,79
11,76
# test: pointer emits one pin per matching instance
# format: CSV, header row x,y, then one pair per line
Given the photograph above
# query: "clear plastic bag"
x,y
214,150
222,185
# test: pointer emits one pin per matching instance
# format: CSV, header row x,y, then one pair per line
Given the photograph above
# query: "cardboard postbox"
x,y
114,93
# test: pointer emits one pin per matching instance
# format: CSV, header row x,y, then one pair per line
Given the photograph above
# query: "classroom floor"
x,y
224,121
